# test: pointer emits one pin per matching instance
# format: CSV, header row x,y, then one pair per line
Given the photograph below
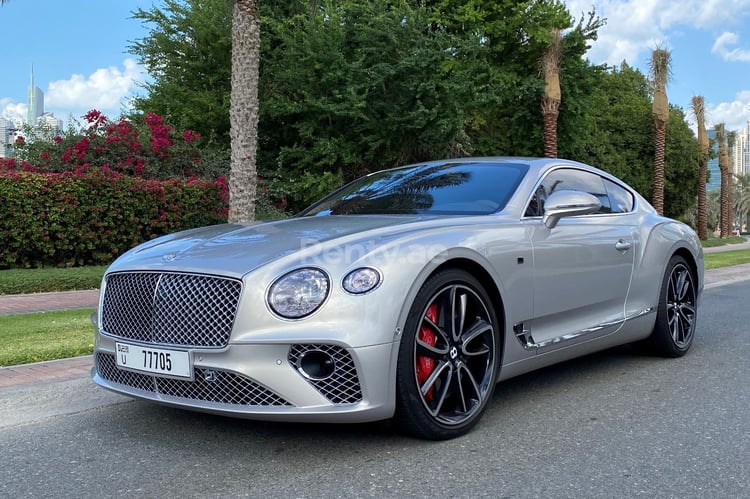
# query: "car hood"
x,y
236,249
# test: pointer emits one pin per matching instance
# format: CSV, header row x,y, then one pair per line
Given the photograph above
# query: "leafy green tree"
x,y
502,42
187,53
617,138
682,165
358,86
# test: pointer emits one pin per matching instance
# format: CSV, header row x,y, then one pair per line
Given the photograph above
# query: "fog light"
x,y
316,365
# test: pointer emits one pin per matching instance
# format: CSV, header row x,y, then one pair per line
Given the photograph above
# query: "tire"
x,y
676,313
448,359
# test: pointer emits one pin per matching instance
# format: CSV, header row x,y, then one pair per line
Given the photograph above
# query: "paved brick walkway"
x,y
45,371
41,302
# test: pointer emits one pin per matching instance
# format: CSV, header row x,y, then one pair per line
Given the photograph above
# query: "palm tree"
x,y
731,138
742,201
713,209
660,72
550,65
721,139
243,110
699,109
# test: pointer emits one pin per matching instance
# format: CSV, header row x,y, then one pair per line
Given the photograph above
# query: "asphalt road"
x,y
614,424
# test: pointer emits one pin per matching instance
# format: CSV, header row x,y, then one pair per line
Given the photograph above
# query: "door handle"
x,y
622,245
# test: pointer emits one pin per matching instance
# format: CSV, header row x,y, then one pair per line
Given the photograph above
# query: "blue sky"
x,y
79,51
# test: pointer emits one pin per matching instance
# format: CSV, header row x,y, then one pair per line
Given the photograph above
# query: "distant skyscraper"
x,y
742,151
36,101
714,173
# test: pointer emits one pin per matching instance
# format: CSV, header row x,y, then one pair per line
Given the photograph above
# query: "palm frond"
x,y
660,67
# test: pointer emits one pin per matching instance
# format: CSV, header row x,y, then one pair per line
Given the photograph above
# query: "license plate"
x,y
154,360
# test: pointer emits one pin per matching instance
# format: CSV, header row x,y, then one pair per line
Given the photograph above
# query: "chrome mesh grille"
x,y
224,388
342,387
170,308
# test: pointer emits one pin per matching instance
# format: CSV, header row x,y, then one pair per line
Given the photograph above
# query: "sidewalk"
x,y
728,247
44,302
79,366
54,369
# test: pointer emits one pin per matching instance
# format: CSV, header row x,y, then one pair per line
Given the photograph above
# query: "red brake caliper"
x,y
425,365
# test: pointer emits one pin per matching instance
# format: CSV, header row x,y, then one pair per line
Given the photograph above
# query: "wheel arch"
x,y
690,259
485,278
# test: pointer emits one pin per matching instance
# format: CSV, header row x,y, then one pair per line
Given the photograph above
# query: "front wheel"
x,y
676,313
448,357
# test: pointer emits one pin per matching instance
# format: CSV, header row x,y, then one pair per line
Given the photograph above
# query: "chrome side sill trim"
x,y
527,341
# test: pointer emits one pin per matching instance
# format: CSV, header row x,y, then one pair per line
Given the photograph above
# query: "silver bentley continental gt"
x,y
406,294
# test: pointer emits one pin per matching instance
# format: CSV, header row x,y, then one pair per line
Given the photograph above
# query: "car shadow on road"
x,y
526,399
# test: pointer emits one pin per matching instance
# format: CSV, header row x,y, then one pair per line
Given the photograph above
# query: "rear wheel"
x,y
677,312
448,358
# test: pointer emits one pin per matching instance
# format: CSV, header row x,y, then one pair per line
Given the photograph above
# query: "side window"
x,y
620,199
574,180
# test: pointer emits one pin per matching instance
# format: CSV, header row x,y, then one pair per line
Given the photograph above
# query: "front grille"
x,y
342,387
225,387
170,308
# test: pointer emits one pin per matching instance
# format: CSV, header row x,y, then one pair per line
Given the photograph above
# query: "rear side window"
x,y
568,179
613,197
620,199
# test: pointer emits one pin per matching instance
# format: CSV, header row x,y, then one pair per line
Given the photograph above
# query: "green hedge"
x,y
89,218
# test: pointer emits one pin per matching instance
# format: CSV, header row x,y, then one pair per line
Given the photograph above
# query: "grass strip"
x,y
726,259
21,281
40,336
715,241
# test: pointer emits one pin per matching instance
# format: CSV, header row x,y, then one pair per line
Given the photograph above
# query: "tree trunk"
x,y
660,136
724,201
243,110
550,113
702,209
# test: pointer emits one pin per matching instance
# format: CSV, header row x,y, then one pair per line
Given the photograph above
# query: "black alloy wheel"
x,y
449,357
677,311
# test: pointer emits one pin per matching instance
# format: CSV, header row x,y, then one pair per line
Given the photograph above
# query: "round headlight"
x,y
361,281
298,293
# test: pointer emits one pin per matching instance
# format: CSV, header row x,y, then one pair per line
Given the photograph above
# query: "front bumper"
x,y
261,381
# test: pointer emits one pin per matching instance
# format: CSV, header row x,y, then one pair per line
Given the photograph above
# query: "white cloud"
x,y
734,115
721,47
13,111
104,89
636,26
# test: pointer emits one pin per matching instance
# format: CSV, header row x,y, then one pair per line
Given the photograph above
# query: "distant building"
x,y
48,121
36,101
7,137
36,115
714,173
741,153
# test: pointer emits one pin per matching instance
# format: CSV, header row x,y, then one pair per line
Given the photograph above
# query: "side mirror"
x,y
566,203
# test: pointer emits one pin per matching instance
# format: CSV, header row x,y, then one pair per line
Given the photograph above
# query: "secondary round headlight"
x,y
298,293
360,281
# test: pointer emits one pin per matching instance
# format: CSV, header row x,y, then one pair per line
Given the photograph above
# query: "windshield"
x,y
449,188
